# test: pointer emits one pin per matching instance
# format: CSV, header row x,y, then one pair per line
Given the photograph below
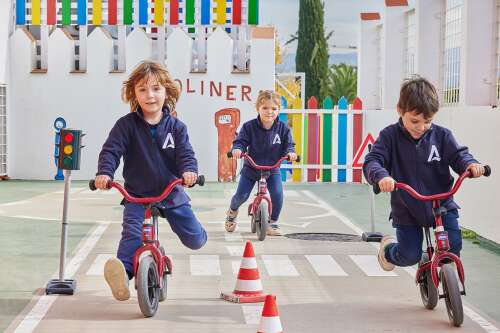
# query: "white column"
x,y
368,85
428,16
393,52
477,75
5,18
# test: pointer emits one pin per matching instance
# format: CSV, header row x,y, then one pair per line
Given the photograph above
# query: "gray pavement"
x,y
321,286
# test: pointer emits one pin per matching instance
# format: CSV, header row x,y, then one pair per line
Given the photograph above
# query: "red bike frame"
x,y
436,259
150,229
262,188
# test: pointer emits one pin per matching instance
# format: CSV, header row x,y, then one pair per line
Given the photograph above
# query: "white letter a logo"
x,y
169,141
434,155
277,139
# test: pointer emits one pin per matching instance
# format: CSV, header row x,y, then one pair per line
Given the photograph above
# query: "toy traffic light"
x,y
69,149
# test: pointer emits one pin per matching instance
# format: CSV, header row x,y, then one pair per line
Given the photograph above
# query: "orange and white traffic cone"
x,y
270,320
248,286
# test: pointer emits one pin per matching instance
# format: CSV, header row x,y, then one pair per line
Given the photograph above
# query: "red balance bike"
x,y
261,207
151,265
436,265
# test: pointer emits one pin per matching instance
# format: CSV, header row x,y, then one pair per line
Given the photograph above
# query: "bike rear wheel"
x,y
428,292
262,220
452,295
148,290
163,290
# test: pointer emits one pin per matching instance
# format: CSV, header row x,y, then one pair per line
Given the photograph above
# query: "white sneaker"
x,y
117,279
384,242
273,230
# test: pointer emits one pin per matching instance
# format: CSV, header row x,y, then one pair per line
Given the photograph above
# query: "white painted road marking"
x,y
325,265
279,265
204,265
370,266
97,267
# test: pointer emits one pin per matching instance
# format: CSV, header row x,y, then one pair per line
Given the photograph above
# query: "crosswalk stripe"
x,y
252,314
235,250
235,265
233,236
279,265
97,267
370,266
204,265
325,265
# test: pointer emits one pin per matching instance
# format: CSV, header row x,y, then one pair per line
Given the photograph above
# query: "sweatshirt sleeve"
x,y
184,153
458,156
242,141
113,149
289,144
377,161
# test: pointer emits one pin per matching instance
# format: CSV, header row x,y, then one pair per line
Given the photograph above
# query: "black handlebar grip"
x,y
298,159
201,180
376,188
229,154
487,170
92,185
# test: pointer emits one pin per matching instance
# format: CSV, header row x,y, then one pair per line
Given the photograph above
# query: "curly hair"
x,y
142,71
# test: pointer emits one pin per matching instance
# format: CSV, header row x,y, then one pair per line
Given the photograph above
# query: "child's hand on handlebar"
x,y
476,170
292,156
386,184
101,182
189,178
236,153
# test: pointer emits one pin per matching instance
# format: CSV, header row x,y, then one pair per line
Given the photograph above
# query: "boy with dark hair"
x,y
419,153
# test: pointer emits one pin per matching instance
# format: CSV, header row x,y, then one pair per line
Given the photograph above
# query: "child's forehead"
x,y
269,102
417,116
148,80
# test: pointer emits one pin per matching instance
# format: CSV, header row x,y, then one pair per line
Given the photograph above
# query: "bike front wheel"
x,y
148,290
262,220
452,295
163,290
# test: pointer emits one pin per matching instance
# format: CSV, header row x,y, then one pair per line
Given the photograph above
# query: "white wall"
x,y
393,53
91,101
477,197
368,59
5,18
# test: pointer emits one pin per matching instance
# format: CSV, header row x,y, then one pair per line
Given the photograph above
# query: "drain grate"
x,y
323,236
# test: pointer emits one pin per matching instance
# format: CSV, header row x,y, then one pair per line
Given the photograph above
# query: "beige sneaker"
x,y
230,224
117,279
273,229
384,264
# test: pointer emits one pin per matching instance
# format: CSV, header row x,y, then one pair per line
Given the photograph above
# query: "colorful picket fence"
x,y
328,137
137,12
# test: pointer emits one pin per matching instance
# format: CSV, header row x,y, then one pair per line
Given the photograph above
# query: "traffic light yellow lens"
x,y
68,149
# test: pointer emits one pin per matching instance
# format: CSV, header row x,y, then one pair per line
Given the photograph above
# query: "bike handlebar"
x,y
439,196
262,167
146,200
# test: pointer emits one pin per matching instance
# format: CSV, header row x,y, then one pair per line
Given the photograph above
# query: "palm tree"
x,y
341,81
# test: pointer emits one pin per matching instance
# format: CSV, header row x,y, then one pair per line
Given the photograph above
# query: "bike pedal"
x,y
463,293
442,296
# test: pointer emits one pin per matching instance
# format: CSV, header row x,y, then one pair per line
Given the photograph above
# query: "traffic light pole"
x,y
61,285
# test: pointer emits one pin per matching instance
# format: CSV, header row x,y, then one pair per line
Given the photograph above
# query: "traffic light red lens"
x,y
68,137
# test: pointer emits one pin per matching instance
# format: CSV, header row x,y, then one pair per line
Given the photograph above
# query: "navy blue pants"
x,y
274,187
181,220
408,250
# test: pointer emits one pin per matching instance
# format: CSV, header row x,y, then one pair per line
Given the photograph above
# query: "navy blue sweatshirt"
x,y
423,164
265,146
150,162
